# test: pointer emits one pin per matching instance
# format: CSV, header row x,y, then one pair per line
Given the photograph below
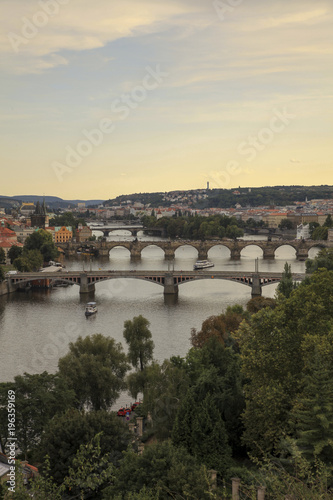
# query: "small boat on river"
x,y
91,308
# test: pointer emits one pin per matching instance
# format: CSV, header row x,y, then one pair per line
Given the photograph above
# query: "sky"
x,y
105,98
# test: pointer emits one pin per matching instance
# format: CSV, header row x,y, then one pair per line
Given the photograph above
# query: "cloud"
x,y
294,161
80,25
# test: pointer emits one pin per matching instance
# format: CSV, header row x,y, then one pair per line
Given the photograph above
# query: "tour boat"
x,y
202,264
91,308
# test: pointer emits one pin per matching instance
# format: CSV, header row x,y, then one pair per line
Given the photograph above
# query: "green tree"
x,y
313,411
329,221
286,224
320,233
41,240
138,339
14,252
2,274
234,232
64,435
286,285
216,369
2,256
95,368
200,429
38,398
324,259
165,386
274,356
167,471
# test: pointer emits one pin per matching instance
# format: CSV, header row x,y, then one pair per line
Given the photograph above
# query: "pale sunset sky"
x,y
101,98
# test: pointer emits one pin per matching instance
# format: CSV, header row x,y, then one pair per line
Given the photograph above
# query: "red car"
x,y
122,411
134,405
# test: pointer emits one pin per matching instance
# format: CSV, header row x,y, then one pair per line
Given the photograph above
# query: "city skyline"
x,y
101,100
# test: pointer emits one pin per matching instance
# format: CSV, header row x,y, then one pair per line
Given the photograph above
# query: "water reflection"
x,y
36,327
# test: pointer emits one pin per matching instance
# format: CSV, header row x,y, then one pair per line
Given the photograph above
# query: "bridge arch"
x,y
292,249
252,248
122,247
146,249
186,246
219,250
119,231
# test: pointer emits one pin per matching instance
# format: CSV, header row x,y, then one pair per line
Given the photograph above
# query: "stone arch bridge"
x,y
169,247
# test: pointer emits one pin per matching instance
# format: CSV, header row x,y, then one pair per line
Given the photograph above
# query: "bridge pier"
x,y
86,287
202,254
170,288
235,254
256,287
302,253
169,254
268,253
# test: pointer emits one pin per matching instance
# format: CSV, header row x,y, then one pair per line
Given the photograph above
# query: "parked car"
x,y
122,411
134,405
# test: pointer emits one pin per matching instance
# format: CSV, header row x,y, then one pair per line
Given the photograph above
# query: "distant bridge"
x,y
135,248
170,280
106,229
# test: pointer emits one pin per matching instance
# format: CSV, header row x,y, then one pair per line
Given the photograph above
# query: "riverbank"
x,y
3,288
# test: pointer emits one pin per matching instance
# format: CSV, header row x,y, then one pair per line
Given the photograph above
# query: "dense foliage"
x,y
197,227
252,398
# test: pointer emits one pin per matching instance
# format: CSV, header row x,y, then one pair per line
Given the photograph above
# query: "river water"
x,y
37,326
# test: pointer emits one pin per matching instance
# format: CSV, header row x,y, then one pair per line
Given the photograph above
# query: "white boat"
x,y
91,308
202,264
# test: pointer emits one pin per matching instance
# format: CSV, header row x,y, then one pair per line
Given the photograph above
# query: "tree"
x,y
165,386
215,369
257,303
286,285
42,241
2,274
313,411
167,471
329,221
2,256
234,232
200,429
30,260
14,252
219,326
64,436
324,259
138,339
320,233
95,368
285,224
38,398
275,351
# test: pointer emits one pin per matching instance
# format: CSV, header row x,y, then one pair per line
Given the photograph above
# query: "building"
x,y
27,209
83,234
62,234
303,232
8,239
40,218
22,233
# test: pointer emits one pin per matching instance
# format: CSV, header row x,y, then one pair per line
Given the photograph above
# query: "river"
x,y
37,326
